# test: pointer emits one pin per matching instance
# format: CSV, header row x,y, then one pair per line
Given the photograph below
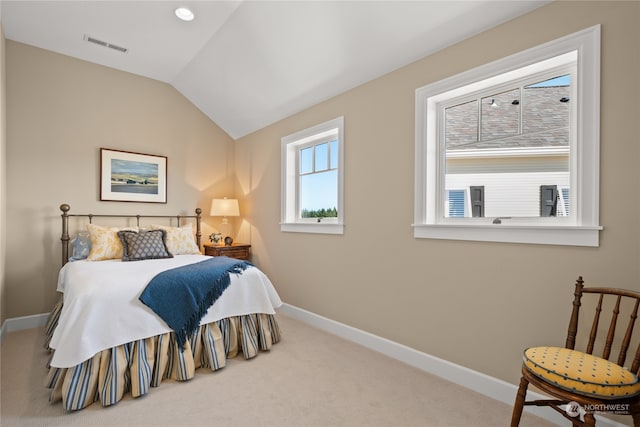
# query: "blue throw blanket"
x,y
181,296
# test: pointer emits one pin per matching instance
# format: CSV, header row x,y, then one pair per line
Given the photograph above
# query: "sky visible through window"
x,y
319,184
557,81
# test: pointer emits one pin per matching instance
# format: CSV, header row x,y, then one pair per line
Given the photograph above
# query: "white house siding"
x,y
511,185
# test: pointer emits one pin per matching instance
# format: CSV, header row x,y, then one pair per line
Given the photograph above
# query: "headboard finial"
x,y
65,232
198,227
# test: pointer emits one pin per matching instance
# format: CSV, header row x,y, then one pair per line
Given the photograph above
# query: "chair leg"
x,y
589,420
518,406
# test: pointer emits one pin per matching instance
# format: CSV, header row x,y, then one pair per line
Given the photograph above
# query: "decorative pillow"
x,y
143,245
80,246
105,243
581,373
180,240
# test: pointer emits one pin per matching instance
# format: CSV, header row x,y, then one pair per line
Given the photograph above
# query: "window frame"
x,y
291,145
582,227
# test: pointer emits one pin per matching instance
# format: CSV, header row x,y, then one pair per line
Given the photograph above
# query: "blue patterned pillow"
x,y
81,246
144,245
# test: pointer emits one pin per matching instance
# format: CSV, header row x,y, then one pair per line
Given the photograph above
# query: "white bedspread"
x,y
101,307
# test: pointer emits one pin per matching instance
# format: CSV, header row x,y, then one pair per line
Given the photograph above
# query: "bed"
x,y
104,337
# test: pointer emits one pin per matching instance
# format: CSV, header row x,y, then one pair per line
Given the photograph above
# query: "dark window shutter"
x,y
548,200
477,200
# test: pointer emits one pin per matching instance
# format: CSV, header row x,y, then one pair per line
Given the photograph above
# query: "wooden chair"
x,y
574,377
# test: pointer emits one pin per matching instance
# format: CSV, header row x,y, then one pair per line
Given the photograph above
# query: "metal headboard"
x,y
65,208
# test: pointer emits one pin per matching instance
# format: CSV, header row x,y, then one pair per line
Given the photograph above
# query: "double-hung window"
x,y
312,179
509,151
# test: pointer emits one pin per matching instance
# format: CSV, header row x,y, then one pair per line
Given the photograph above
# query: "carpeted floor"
x,y
310,378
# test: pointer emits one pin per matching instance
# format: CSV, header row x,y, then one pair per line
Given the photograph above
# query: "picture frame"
x,y
126,176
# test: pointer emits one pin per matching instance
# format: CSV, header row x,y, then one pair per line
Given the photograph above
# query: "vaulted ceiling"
x,y
247,64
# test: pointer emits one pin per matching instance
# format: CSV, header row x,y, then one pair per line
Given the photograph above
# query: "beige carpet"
x,y
310,378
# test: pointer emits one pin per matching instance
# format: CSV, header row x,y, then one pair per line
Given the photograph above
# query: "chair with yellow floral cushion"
x,y
580,382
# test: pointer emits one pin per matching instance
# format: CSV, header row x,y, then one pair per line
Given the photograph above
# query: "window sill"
x,y
543,235
317,228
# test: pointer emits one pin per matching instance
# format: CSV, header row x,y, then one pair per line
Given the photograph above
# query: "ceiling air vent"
x,y
105,44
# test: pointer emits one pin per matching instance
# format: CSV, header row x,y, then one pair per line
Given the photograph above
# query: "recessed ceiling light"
x,y
184,14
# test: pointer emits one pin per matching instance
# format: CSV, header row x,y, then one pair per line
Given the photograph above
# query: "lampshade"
x,y
224,207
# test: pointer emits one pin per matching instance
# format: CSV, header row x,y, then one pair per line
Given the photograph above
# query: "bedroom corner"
x,y
55,129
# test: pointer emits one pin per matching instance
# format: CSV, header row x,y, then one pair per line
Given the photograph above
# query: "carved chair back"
x,y
610,329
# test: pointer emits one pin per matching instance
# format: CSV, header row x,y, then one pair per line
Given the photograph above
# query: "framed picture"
x,y
132,177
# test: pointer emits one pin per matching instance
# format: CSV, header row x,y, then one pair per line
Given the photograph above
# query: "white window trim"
x,y
289,146
584,228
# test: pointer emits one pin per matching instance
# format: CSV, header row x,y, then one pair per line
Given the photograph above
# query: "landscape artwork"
x,y
132,177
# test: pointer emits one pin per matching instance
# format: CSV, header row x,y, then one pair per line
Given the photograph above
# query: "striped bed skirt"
x,y
137,366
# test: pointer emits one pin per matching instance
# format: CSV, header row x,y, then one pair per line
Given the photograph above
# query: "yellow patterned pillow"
x,y
581,373
180,240
105,243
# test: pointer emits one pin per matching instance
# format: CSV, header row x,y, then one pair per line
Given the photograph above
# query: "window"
x,y
312,179
456,202
520,138
564,202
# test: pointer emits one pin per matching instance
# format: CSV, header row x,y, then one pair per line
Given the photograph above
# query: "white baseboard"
x,y
24,322
474,380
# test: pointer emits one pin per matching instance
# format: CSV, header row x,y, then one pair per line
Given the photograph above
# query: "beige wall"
x,y
472,303
3,180
60,112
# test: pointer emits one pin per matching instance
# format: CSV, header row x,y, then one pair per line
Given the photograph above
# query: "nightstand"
x,y
236,250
